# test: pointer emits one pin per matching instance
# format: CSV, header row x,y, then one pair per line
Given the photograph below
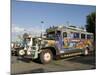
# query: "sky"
x,y
27,16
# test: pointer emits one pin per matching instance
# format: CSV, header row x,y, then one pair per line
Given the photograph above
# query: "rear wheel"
x,y
86,51
46,56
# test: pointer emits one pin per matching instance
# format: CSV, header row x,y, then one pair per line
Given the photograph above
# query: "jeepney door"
x,y
62,40
59,40
65,40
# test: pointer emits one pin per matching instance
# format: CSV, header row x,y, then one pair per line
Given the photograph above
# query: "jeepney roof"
x,y
68,29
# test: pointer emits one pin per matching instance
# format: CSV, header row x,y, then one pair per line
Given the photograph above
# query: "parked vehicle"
x,y
14,47
59,42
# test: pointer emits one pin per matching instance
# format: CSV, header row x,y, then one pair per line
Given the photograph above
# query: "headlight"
x,y
28,52
21,52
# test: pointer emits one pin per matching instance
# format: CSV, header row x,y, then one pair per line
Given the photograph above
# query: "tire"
x,y
46,56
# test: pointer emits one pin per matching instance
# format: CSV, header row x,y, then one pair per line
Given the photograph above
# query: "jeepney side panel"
x,y
71,42
77,43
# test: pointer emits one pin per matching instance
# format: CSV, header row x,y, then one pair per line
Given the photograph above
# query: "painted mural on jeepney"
x,y
76,43
70,42
69,38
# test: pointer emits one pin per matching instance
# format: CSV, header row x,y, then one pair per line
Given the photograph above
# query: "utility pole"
x,y
42,28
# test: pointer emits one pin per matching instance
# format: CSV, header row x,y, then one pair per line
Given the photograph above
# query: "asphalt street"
x,y
25,66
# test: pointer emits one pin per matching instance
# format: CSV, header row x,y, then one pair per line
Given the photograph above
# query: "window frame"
x,y
82,36
65,35
74,35
90,36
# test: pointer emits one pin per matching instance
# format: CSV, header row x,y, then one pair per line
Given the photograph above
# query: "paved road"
x,y
68,64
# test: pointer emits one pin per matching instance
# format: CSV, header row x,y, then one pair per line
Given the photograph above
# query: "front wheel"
x,y
46,56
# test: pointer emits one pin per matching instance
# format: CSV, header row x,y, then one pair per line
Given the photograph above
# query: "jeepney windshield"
x,y
51,36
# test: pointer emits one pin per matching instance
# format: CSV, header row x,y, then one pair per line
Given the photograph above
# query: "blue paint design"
x,y
59,41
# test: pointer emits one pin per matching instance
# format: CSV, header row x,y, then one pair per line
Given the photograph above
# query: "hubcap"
x,y
86,52
47,56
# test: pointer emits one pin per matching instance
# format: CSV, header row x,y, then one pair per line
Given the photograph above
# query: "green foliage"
x,y
91,23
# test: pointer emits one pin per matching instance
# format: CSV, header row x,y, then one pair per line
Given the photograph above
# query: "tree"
x,y
91,23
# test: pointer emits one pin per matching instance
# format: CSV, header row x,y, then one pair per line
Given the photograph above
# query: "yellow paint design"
x,y
51,42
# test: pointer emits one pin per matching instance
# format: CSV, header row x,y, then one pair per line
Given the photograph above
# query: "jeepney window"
x,y
64,34
82,36
51,36
70,35
76,35
89,36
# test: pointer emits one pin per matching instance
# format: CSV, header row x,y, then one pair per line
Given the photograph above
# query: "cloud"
x,y
18,30
33,29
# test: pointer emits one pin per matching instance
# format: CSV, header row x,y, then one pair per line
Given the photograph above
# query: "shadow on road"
x,y
89,60
28,60
23,60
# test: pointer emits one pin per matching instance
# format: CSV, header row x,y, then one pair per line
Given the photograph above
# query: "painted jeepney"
x,y
59,42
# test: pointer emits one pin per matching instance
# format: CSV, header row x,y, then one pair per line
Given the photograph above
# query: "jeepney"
x,y
60,42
